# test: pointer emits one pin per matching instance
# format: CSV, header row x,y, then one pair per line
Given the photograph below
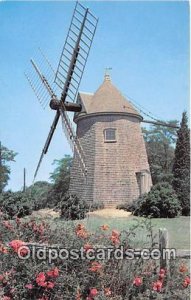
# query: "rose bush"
x,y
81,279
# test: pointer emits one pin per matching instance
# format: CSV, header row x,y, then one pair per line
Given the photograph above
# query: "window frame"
x,y
105,135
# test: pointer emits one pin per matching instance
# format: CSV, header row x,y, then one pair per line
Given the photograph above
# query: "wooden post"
x,y
24,180
163,244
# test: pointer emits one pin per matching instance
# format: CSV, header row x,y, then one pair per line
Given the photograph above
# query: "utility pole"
x,y
24,180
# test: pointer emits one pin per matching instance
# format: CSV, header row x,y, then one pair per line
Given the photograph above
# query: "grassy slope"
x,y
178,228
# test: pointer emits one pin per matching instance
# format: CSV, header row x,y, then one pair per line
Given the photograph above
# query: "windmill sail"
x,y
75,52
68,77
36,75
48,140
73,140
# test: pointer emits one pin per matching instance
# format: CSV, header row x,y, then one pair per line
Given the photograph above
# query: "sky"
x,y
145,43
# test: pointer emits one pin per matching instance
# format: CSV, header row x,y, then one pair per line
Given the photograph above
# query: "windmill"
x,y
108,143
67,79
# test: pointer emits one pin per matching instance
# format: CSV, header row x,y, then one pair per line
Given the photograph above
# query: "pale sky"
x,y
145,43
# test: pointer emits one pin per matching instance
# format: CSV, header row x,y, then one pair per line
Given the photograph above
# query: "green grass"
x,y
178,228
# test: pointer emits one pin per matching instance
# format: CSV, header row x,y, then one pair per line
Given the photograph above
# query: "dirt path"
x,y
111,212
105,213
45,212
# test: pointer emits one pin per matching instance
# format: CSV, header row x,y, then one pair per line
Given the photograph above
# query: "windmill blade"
x,y
72,139
160,123
75,52
48,140
42,83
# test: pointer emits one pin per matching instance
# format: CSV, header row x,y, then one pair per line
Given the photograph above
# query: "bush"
x,y
96,206
46,277
72,208
160,202
15,204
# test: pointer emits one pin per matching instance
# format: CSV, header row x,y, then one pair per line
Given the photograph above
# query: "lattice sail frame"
x,y
68,77
75,51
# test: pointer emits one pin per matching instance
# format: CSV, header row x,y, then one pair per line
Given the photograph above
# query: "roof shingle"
x,y
106,99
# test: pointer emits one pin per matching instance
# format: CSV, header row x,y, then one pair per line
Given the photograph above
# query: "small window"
x,y
110,135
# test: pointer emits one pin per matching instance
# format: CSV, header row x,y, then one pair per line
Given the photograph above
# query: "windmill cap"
x,y
107,99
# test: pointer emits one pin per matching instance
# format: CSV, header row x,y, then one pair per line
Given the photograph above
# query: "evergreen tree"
x,y
160,143
181,167
6,156
60,180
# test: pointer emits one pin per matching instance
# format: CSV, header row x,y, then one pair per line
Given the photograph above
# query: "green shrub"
x,y
38,194
15,204
73,208
96,206
160,202
70,278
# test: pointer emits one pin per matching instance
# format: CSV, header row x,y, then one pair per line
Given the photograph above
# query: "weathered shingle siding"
x,y
112,167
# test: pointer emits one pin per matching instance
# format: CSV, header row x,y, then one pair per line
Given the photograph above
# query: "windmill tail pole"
x,y
160,123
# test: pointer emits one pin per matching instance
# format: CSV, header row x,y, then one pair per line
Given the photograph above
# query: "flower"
x,y
95,267
104,227
161,273
115,237
186,281
93,292
50,285
78,295
53,273
138,281
80,227
107,292
18,221
81,231
87,247
7,225
6,298
29,286
16,244
183,268
3,249
157,286
1,277
40,279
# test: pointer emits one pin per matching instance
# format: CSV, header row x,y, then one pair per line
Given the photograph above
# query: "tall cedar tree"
x,y
60,179
160,142
181,167
6,156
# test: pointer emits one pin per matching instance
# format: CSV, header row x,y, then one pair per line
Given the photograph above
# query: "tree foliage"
x,y
6,156
181,167
60,179
38,192
160,142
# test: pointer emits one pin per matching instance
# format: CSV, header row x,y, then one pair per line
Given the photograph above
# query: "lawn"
x,y
178,228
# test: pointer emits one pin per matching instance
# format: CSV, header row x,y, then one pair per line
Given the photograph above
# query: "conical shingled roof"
x,y
107,99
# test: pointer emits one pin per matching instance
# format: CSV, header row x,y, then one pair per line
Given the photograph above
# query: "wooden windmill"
x,y
108,127
110,163
67,78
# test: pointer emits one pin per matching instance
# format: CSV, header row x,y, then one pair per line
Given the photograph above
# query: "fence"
x,y
164,244
163,249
